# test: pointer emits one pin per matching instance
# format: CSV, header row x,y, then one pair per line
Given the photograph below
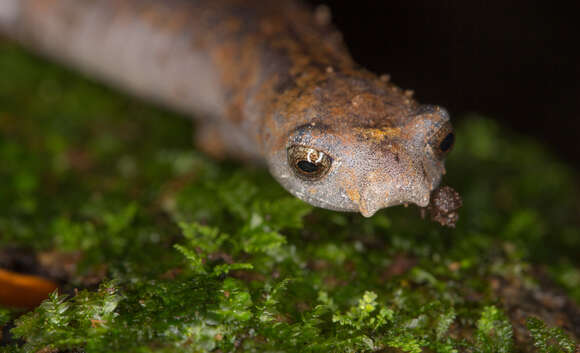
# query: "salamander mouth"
x,y
370,211
321,203
371,202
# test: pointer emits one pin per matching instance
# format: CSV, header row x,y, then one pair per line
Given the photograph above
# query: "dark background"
x,y
516,61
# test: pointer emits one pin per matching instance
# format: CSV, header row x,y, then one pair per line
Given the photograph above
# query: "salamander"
x,y
268,81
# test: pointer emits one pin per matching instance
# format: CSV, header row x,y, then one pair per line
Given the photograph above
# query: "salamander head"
x,y
362,149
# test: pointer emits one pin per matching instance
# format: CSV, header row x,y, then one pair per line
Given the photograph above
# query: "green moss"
x,y
494,331
549,340
196,255
4,316
63,323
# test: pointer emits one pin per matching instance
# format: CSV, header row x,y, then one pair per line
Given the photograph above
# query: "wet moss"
x,y
173,251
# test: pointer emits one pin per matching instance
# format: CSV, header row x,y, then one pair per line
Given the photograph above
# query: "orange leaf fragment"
x,y
23,291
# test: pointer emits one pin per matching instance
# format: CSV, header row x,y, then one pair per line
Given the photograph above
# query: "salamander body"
x,y
269,81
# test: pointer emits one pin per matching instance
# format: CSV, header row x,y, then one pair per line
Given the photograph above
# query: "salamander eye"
x,y
442,141
308,163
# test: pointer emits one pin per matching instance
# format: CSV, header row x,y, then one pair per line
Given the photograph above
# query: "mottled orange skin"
x,y
260,76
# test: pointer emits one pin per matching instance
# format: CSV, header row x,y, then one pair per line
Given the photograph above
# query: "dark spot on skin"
x,y
285,83
303,129
280,118
424,171
426,109
321,66
447,142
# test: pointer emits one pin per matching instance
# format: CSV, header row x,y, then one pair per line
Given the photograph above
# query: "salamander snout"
x,y
403,164
394,180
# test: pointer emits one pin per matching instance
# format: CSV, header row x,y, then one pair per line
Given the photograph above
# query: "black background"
x,y
515,61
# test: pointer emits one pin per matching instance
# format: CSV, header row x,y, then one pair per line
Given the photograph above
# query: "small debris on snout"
x,y
445,202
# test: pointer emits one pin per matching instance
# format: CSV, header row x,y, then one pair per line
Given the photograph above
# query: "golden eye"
x,y
308,163
442,141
